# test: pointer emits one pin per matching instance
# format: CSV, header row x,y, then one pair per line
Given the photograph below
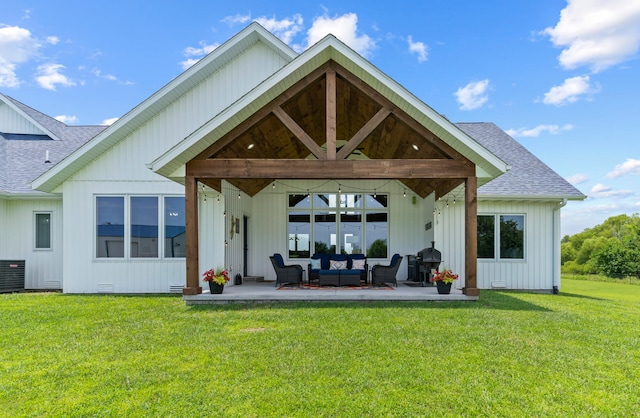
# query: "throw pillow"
x,y
338,265
315,264
357,264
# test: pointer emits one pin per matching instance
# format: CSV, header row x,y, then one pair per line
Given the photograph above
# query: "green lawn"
x,y
510,354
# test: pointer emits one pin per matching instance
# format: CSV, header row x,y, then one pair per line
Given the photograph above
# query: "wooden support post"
x,y
191,207
471,236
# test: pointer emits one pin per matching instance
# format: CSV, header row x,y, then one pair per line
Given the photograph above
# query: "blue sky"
x,y
561,77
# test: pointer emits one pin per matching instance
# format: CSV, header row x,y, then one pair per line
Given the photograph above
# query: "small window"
x,y
43,231
508,237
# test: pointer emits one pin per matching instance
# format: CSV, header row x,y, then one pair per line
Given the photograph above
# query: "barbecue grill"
x,y
421,265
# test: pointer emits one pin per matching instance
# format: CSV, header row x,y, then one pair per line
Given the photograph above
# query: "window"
x,y
337,223
509,237
133,225
43,231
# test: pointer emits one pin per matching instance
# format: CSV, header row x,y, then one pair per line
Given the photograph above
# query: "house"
x,y
257,149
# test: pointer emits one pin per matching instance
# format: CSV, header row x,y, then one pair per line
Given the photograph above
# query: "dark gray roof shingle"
x,y
528,178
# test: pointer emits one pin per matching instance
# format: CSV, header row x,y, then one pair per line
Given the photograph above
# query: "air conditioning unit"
x,y
11,276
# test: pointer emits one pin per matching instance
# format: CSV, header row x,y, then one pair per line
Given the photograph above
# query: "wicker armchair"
x,y
291,274
386,274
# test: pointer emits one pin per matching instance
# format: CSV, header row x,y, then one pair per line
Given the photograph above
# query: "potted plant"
x,y
443,280
217,278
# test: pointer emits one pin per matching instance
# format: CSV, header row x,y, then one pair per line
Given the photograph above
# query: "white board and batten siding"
x,y
13,122
540,268
43,267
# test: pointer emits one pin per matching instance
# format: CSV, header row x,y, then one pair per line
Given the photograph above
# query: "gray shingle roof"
x,y
22,157
528,178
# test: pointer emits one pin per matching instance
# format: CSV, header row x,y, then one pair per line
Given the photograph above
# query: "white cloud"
x,y
535,132
16,47
52,40
631,166
570,91
418,48
596,33
99,74
67,119
600,191
109,122
577,179
284,29
473,95
199,52
343,27
49,75
232,20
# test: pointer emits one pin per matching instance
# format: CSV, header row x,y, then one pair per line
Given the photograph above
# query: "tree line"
x,y
611,248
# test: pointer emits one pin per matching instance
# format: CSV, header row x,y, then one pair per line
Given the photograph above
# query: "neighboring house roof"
x,y
529,178
22,156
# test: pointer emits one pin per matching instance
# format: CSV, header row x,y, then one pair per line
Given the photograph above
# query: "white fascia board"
x,y
156,102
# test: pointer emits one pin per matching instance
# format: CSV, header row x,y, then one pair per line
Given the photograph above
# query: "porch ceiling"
x,y
331,116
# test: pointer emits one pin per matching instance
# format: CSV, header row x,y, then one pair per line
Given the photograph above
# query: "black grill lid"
x,y
430,255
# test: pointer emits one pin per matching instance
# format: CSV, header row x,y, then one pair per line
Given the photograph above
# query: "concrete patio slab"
x,y
267,292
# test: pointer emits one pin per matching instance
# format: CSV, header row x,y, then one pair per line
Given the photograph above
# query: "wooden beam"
x,y
471,237
326,169
299,133
364,132
331,115
191,223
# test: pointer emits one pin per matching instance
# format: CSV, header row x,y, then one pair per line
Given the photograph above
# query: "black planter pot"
x,y
215,288
443,288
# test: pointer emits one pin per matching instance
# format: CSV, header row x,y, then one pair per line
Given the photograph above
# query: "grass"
x,y
510,354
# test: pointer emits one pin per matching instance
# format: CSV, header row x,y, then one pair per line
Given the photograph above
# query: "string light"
x,y
405,193
239,195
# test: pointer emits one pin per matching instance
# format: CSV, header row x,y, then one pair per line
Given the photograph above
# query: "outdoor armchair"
x,y
386,274
291,274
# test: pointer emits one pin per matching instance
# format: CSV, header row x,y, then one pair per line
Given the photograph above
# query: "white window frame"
x,y
496,241
35,231
127,227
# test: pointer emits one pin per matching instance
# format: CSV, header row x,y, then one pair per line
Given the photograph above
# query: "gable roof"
x,y
160,100
328,49
529,177
22,156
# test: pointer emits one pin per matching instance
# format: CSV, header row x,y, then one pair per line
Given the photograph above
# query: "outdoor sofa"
x,y
338,269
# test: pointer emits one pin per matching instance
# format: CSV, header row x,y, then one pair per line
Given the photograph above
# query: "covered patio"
x,y
330,125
